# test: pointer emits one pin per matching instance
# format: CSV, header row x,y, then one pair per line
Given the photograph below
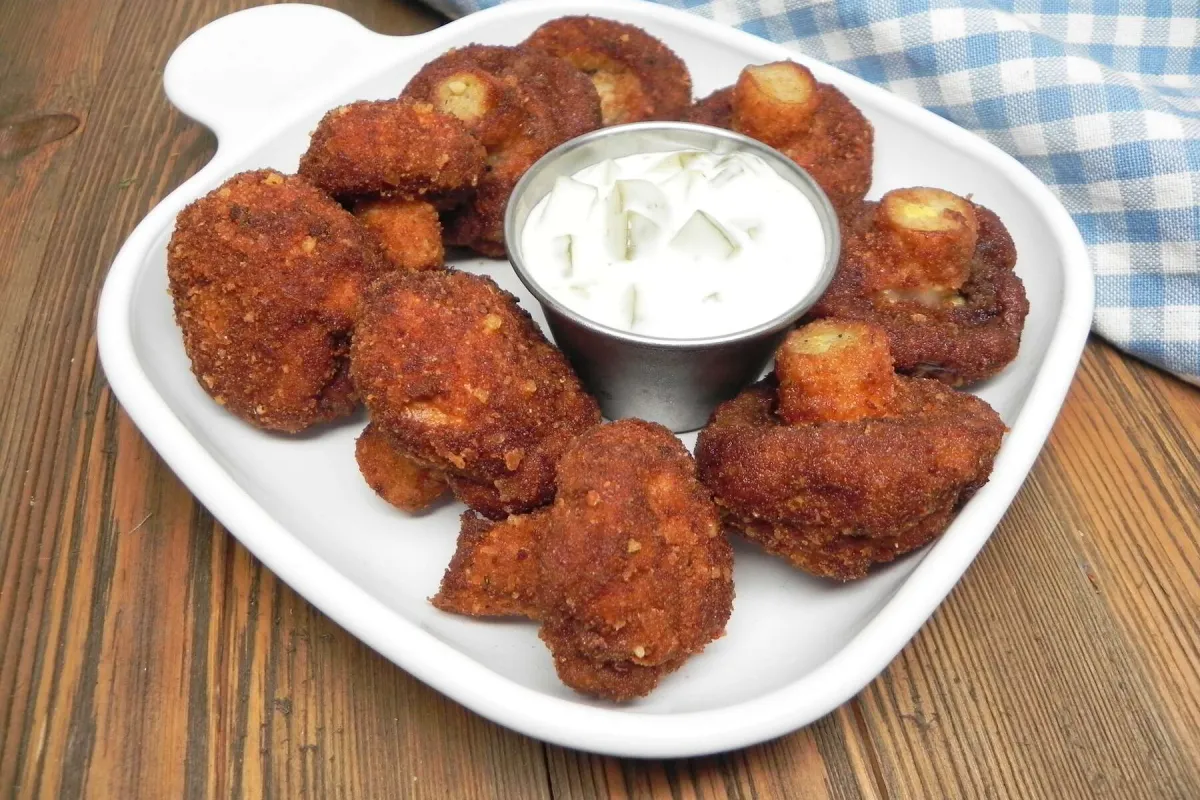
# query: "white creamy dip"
x,y
679,244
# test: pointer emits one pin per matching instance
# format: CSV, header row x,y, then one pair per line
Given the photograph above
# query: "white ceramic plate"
x,y
796,647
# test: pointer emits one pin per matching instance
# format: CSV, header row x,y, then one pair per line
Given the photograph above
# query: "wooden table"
x,y
145,653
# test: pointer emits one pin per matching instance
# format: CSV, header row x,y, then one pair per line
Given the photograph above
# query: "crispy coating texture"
x,y
637,76
521,105
402,148
408,231
267,275
634,573
838,150
494,571
465,382
925,241
836,497
834,370
398,479
837,147
775,103
715,110
956,337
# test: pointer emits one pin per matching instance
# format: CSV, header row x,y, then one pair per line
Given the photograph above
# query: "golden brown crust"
x,y
836,498
926,240
494,570
488,102
399,147
834,370
775,103
634,574
267,274
408,231
715,110
521,104
836,148
466,382
398,479
958,338
637,76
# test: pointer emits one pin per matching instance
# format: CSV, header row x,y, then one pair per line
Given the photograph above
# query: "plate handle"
x,y
241,72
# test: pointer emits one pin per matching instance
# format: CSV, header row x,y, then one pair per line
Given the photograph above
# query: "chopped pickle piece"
x,y
584,290
711,297
570,201
630,224
564,253
616,226
641,196
675,162
629,303
727,174
704,236
640,233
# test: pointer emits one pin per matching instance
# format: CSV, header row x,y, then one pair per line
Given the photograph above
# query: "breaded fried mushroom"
x,y
631,574
520,105
836,493
494,572
398,147
634,573
408,231
935,271
267,275
637,76
465,382
395,477
812,123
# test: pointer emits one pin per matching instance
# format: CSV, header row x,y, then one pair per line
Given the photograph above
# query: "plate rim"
x,y
614,730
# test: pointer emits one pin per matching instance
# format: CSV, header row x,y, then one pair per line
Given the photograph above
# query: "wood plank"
x,y
823,761
1029,681
1129,461
39,83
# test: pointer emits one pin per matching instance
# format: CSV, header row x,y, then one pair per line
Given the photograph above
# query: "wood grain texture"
x,y
144,653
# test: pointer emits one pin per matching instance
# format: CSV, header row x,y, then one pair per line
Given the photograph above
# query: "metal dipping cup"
x,y
675,382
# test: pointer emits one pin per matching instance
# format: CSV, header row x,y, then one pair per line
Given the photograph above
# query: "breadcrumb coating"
x,y
464,381
267,274
836,497
637,76
399,147
408,231
395,477
958,336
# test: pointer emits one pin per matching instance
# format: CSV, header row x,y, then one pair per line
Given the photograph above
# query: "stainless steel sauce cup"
x,y
675,382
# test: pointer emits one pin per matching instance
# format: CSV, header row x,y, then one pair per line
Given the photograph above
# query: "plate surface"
x,y
796,646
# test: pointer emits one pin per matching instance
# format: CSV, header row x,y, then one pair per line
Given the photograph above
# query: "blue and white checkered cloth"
x,y
1099,98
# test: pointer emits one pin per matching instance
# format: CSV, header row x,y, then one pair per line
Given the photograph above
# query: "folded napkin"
x,y
1099,98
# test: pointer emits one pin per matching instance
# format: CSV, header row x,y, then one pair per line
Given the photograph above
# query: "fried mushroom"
x,y
636,75
630,574
267,275
935,271
521,105
836,496
397,147
465,382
